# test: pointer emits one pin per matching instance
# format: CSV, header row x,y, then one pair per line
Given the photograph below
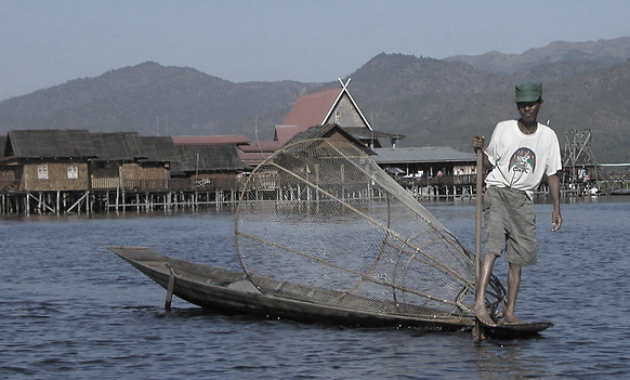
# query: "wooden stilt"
x,y
169,291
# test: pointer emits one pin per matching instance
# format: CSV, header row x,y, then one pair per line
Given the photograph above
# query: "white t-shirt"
x,y
520,160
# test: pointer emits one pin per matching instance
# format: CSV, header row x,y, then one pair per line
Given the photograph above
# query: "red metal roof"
x,y
252,159
256,152
210,140
261,146
312,109
284,133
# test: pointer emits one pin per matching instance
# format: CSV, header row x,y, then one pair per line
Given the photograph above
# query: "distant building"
x,y
331,106
77,160
46,160
416,162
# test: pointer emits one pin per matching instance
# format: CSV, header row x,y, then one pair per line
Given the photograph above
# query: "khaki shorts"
x,y
510,223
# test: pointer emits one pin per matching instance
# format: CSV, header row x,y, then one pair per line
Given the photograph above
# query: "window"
x,y
73,171
42,171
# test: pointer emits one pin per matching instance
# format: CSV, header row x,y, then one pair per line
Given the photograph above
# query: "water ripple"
x,y
73,310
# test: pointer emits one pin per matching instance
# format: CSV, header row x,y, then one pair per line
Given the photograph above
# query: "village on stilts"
x,y
76,171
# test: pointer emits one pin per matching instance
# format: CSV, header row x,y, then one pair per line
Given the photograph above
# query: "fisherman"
x,y
520,153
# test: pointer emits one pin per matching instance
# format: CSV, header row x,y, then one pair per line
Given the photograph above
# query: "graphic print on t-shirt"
x,y
523,160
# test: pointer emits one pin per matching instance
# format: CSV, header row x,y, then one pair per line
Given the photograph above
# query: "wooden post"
x,y
477,333
169,290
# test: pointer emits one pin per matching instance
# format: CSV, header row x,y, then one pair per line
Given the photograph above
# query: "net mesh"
x,y
322,214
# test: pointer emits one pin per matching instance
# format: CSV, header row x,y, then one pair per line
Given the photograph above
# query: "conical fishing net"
x,y
321,213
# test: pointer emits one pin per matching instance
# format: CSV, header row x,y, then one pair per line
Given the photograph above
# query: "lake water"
x,y
70,309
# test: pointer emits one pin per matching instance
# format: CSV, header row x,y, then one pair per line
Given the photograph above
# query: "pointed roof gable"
x,y
317,108
313,109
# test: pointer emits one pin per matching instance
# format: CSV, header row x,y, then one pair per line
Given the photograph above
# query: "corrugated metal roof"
x,y
421,154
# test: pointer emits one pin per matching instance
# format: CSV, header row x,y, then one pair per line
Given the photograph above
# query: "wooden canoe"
x,y
234,292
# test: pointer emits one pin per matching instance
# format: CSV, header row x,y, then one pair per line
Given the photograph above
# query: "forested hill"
x,y
432,102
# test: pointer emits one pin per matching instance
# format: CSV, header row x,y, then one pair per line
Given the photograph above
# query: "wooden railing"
x,y
183,184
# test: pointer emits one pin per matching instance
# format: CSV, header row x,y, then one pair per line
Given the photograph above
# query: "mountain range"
x,y
433,102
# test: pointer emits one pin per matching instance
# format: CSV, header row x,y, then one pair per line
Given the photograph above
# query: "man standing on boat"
x,y
520,153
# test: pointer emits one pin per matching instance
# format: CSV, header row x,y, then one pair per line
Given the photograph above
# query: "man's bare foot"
x,y
482,315
511,318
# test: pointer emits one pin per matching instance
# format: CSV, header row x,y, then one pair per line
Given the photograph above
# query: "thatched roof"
x,y
209,158
119,146
49,143
124,146
3,145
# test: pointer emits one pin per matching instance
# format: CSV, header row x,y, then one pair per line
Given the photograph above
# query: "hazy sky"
x,y
48,42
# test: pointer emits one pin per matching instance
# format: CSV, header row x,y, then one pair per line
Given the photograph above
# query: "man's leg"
x,y
479,308
514,284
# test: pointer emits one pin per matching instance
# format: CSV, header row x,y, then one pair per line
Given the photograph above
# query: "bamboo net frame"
x,y
322,214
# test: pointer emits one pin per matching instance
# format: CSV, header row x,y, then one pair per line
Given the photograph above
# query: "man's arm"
x,y
478,143
554,190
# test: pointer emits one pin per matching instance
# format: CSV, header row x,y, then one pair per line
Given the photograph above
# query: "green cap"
x,y
528,91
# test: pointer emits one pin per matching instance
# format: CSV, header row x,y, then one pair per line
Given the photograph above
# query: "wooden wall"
x,y
53,176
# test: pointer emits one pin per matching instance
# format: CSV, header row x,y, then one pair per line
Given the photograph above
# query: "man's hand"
x,y
556,220
478,142
554,190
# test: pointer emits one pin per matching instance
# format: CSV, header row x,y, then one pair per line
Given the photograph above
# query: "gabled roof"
x,y
316,109
312,109
421,155
49,143
329,131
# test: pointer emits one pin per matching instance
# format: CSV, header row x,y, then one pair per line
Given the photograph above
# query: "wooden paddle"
x,y
477,332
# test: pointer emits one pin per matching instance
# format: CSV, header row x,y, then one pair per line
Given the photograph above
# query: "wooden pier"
x,y
175,195
117,200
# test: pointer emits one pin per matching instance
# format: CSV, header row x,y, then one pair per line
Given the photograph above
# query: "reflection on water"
x,y
73,310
